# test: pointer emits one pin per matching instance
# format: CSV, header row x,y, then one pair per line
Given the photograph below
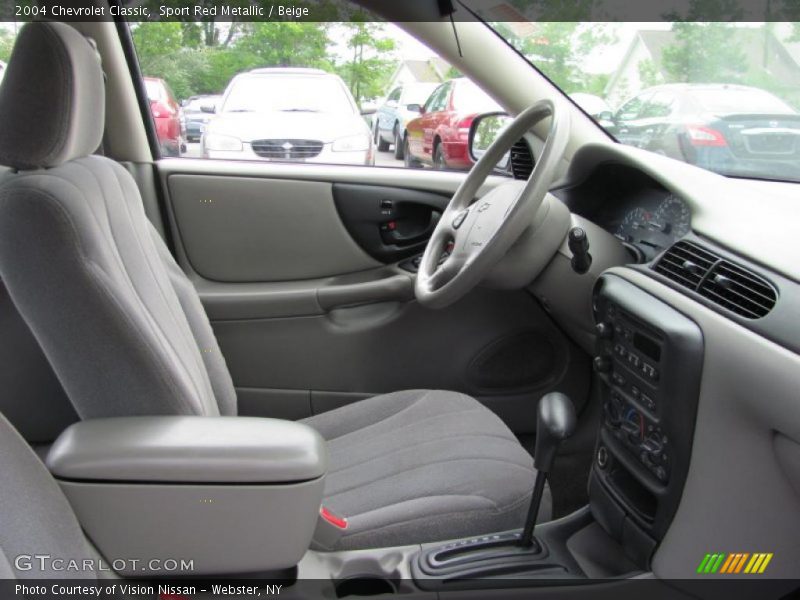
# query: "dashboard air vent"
x,y
686,263
738,290
720,281
521,160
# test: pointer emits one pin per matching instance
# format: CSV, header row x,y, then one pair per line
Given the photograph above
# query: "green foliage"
x,y
649,74
559,48
704,52
7,39
453,73
202,57
371,64
285,44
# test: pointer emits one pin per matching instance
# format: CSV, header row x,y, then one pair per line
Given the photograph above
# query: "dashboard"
x,y
636,209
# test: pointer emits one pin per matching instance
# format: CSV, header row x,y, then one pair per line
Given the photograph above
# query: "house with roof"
x,y
769,59
432,70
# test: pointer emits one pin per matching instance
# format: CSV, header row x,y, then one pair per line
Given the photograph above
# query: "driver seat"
x,y
126,334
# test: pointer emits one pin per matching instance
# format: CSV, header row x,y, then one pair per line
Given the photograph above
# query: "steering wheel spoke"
x,y
482,233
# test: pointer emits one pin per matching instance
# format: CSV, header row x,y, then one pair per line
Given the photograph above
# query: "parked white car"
x,y
393,114
289,115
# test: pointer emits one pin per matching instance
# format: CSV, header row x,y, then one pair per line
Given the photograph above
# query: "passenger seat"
x,y
35,518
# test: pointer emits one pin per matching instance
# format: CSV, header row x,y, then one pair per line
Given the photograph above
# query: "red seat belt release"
x,y
333,519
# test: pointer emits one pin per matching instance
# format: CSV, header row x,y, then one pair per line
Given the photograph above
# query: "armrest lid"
x,y
189,449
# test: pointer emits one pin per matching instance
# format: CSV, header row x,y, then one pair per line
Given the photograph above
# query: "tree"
x,y
704,52
7,39
286,43
649,75
372,62
559,49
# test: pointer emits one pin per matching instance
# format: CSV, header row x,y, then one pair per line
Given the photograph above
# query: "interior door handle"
x,y
404,232
397,288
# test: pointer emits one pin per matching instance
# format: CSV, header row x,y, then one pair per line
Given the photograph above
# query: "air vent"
x,y
720,281
521,160
686,263
738,290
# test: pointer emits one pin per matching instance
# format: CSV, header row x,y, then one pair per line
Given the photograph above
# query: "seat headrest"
x,y
52,98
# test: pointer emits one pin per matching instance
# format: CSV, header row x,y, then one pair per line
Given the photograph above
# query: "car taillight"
x,y
700,135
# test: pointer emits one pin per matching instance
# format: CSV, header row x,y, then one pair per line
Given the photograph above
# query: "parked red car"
x,y
439,137
166,115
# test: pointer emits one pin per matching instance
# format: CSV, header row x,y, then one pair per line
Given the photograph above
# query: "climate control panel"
x,y
649,361
639,434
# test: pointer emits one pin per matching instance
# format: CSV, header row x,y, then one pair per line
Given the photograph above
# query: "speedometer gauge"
x,y
674,217
635,224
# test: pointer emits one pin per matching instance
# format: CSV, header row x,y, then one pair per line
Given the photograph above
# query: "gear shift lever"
x,y
555,422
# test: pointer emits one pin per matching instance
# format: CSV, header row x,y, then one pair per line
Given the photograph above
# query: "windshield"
x,y
197,104
469,98
730,100
417,94
290,93
154,89
722,96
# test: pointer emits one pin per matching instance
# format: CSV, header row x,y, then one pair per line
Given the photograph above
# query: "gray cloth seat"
x,y
126,334
37,524
423,465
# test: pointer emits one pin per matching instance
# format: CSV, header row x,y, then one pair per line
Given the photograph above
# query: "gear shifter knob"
x,y
555,422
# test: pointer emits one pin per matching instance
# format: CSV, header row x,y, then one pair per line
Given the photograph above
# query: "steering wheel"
x,y
479,234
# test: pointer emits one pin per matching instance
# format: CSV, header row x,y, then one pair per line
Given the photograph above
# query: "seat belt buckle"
x,y
330,528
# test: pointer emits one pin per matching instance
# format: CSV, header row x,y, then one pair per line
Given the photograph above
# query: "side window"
x,y
432,105
632,108
661,105
278,91
439,102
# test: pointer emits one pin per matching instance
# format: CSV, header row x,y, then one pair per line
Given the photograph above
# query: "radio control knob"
x,y
605,331
652,445
602,364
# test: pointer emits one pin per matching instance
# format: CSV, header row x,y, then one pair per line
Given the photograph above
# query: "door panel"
x,y
239,229
308,322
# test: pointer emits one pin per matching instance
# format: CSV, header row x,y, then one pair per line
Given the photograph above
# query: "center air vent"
x,y
738,290
686,263
720,281
521,160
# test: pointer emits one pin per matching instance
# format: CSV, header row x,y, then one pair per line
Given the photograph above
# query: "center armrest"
x,y
226,495
189,449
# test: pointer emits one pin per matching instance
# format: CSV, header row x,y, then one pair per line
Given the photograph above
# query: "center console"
x,y
649,360
648,363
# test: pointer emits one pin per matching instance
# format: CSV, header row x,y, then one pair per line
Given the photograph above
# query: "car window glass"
x,y
469,98
293,91
437,99
730,99
417,94
154,90
632,108
735,80
270,93
661,104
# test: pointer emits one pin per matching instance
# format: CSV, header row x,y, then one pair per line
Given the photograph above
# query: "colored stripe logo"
x,y
734,563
